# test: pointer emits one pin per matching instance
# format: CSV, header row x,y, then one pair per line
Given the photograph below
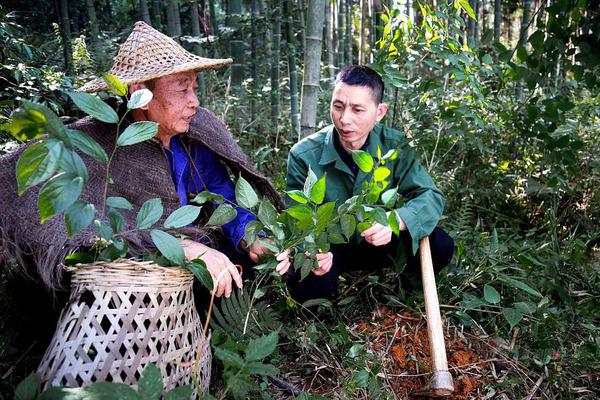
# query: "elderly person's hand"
x,y
256,250
324,260
379,235
222,270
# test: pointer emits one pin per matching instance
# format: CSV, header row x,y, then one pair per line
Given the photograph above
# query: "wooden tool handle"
x,y
441,380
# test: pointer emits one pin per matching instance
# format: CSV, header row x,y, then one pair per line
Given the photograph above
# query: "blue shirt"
x,y
212,173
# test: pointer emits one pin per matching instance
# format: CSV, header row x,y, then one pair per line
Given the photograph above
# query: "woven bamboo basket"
x,y
121,316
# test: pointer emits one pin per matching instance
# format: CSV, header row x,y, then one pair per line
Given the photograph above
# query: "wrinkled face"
x,y
354,113
173,104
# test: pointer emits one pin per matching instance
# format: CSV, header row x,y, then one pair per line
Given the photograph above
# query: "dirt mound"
x,y
401,340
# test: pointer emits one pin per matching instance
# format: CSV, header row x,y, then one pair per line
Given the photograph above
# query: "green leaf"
x,y
363,226
58,194
512,315
361,378
520,285
325,213
464,4
149,213
137,132
182,216
71,162
25,124
117,222
119,202
309,182
205,196
139,99
27,389
222,215
150,385
87,145
36,164
301,212
267,214
229,358
317,193
388,198
110,391
363,159
381,173
54,126
181,393
298,196
115,85
261,347
79,216
168,246
95,107
252,231
103,229
491,295
393,222
62,393
316,302
245,194
258,368
198,268
348,225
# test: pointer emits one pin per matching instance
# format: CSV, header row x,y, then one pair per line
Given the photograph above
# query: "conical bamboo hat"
x,y
149,54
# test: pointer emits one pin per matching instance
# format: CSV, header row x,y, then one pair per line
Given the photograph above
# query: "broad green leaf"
x,y
520,285
79,216
239,385
300,212
325,213
363,159
229,358
139,99
36,164
116,220
298,196
334,234
198,268
28,388
309,182
381,173
119,202
182,216
245,194
317,193
361,378
491,295
348,225
54,126
526,307
261,347
87,145
468,9
103,229
137,132
380,216
512,315
71,162
322,242
363,226
252,231
316,302
149,213
182,393
168,246
93,106
205,196
267,214
388,198
25,124
393,222
110,391
58,194
150,385
391,155
115,85
222,215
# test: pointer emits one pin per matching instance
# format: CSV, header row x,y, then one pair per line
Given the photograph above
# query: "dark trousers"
x,y
364,256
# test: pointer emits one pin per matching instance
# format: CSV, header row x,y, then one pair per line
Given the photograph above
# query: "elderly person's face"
x,y
173,104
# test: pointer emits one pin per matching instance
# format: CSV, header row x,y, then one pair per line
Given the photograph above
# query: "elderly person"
x,y
189,154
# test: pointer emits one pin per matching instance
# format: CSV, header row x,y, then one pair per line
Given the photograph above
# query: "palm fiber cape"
x,y
139,172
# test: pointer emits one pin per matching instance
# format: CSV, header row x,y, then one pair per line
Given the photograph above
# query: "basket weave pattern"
x,y
121,316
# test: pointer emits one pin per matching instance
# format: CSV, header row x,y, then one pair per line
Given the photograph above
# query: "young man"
x,y
356,110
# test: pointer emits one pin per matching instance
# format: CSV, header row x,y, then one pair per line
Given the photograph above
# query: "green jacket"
x,y
423,201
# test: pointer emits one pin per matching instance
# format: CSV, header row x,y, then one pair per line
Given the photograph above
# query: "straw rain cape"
x,y
140,172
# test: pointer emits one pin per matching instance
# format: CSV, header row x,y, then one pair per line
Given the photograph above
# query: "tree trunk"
x,y
525,22
254,64
94,28
312,66
62,9
237,46
293,74
214,27
372,30
497,19
476,24
198,47
145,12
172,9
349,38
328,32
302,20
362,39
275,72
74,16
156,14
340,32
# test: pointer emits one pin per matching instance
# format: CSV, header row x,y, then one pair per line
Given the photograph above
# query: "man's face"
x,y
174,103
354,113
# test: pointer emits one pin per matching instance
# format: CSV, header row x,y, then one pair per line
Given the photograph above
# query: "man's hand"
x,y
378,235
325,261
256,250
221,269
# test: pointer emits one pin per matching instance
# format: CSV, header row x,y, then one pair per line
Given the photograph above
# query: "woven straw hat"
x,y
149,54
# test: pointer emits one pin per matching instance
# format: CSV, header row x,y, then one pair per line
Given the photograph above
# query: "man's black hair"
x,y
360,75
